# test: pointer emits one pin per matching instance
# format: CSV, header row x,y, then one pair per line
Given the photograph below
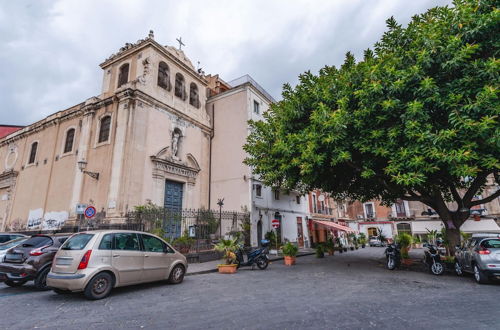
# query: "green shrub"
x,y
290,250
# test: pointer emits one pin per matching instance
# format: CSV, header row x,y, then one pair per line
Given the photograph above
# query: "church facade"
x,y
144,139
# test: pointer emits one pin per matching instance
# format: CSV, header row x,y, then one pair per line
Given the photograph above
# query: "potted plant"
x,y
290,252
330,247
362,240
184,243
227,247
320,250
404,240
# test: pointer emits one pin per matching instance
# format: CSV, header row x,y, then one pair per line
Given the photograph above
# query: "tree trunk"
x,y
452,222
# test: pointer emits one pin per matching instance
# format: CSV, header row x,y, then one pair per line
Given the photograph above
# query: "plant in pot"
x,y
362,240
227,247
290,252
330,247
404,240
320,250
184,242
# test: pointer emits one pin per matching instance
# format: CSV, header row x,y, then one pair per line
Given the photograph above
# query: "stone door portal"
x,y
173,207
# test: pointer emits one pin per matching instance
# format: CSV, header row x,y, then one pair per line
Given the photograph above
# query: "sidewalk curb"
x,y
214,270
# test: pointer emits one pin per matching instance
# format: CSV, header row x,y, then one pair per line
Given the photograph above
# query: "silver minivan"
x,y
97,261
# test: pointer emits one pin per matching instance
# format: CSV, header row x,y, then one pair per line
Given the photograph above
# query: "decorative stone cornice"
x,y
164,166
8,179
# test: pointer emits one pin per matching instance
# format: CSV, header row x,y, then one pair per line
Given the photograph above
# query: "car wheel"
x,y
458,269
177,274
14,284
41,279
99,286
479,276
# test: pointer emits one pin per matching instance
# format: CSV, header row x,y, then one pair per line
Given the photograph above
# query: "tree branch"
x,y
486,200
473,189
455,194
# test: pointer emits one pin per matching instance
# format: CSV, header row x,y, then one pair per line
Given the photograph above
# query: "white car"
x,y
374,241
4,247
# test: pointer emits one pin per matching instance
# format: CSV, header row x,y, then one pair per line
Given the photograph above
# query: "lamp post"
x,y
220,202
82,164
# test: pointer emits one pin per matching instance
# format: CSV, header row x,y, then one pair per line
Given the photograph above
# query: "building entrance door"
x,y
173,206
259,233
300,232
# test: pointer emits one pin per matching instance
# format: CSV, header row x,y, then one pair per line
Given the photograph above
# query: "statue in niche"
x,y
176,139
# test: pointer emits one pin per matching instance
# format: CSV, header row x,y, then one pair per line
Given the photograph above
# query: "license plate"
x,y
13,257
64,261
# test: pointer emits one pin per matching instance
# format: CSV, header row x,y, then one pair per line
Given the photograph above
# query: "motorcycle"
x,y
257,257
393,256
432,259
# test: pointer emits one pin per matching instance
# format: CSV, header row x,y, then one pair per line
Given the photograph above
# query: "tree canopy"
x,y
417,118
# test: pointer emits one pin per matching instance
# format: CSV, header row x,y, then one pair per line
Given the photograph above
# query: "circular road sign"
x,y
89,212
275,223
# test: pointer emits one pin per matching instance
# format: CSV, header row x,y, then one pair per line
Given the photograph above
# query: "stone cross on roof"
x,y
179,40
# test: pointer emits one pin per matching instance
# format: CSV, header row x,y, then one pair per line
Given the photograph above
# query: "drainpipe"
x,y
212,134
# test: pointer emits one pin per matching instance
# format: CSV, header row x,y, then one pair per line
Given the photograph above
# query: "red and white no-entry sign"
x,y
275,223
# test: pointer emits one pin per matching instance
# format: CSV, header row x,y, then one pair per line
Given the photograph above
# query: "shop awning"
x,y
424,226
481,226
335,226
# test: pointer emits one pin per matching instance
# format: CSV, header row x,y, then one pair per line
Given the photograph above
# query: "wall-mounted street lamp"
x,y
82,164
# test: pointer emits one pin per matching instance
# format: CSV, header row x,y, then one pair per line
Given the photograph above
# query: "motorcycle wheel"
x,y
391,263
437,268
458,269
262,263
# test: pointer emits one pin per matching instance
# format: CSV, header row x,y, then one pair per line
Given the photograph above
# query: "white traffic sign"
x,y
275,223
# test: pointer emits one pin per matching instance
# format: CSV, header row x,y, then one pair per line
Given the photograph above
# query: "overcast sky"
x,y
50,50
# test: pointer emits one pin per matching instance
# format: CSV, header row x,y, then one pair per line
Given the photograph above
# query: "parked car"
x,y
480,255
31,261
5,237
95,262
375,241
4,247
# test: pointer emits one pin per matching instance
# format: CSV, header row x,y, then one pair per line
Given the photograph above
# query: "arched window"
x,y
180,89
164,76
104,129
68,144
123,74
194,99
34,146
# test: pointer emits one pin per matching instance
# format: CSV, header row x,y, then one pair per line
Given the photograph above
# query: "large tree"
x,y
417,119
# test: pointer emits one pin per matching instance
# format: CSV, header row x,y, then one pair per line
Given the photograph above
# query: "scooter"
x,y
432,259
393,256
256,257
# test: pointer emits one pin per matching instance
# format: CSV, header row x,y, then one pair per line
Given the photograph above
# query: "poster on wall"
x,y
35,218
54,220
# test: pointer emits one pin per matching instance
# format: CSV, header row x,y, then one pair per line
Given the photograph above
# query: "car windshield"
x,y
37,241
10,244
491,244
77,242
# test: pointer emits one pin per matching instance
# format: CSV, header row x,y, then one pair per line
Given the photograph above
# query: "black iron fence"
x,y
189,230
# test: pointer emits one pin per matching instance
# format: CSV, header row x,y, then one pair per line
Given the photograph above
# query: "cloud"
x,y
50,50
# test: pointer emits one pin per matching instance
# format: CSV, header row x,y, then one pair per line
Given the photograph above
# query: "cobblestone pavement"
x,y
347,291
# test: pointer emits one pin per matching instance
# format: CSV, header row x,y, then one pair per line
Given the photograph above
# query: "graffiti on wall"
x,y
54,220
35,218
48,221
